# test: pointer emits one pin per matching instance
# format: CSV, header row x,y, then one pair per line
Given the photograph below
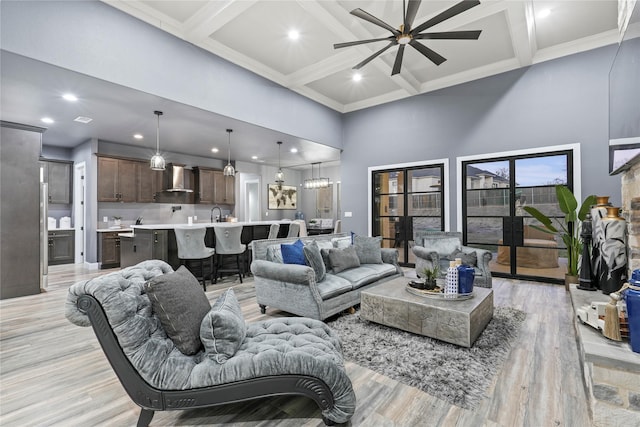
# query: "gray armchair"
x,y
439,247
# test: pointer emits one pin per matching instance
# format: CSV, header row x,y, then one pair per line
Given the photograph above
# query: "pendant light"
x,y
157,161
279,174
315,183
229,169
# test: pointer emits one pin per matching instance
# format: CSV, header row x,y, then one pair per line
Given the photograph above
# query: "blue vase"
x,y
466,275
632,297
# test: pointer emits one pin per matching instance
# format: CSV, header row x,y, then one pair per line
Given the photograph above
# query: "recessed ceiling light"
x,y
294,150
294,34
70,97
138,136
214,150
544,13
254,157
357,77
82,119
47,120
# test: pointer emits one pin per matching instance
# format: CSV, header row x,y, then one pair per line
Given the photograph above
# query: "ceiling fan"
x,y
408,35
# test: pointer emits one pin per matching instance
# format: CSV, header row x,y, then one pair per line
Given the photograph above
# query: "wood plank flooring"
x,y
53,373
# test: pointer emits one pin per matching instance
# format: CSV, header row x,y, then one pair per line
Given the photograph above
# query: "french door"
x,y
494,193
406,200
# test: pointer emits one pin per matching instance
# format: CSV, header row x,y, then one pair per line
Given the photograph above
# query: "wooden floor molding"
x,y
53,373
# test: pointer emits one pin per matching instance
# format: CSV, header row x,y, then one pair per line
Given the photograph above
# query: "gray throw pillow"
x,y
343,259
223,330
325,258
314,260
368,249
470,259
180,303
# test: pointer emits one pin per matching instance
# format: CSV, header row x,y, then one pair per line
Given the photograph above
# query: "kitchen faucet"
x,y
219,216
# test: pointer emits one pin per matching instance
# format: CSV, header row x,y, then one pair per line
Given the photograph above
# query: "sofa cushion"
x,y
343,259
341,242
274,254
368,249
366,273
180,303
332,286
293,254
314,260
223,328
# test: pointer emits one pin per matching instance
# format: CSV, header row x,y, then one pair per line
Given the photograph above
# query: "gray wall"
x,y
558,102
93,38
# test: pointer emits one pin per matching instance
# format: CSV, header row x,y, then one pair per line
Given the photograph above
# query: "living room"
x,y
545,107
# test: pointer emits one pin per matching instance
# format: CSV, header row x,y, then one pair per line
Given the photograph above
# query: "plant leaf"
x,y
566,199
586,205
542,218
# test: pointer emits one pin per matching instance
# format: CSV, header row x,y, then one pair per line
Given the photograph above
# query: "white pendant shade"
x,y
229,170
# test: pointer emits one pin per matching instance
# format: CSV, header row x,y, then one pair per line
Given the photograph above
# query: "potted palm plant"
x,y
568,229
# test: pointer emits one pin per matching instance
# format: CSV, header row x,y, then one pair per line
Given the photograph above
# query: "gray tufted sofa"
x,y
296,289
279,356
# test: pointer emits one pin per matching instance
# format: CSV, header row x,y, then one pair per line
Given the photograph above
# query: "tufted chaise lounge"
x,y
297,356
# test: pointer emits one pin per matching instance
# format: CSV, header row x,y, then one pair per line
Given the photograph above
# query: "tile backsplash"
x,y
155,213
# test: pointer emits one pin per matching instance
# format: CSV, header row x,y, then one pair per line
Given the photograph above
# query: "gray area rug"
x,y
455,374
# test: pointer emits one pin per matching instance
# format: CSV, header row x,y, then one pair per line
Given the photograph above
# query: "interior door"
x,y
406,201
495,193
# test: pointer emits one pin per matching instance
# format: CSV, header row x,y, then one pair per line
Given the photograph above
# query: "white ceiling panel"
x,y
341,87
180,10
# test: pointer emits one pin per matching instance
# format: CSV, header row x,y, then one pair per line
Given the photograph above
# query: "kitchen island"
x,y
158,241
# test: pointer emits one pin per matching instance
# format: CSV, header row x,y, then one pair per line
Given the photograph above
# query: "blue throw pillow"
x,y
293,254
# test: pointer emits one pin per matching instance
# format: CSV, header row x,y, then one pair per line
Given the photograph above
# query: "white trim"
x,y
625,141
446,193
577,172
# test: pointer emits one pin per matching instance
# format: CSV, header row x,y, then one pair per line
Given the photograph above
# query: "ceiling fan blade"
x,y
412,10
433,56
450,35
355,43
449,13
372,57
370,18
398,62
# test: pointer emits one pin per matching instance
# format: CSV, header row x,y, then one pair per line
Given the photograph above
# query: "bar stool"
x,y
294,229
273,231
228,243
191,246
338,227
303,227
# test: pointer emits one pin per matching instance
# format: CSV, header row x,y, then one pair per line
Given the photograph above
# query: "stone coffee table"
x,y
456,321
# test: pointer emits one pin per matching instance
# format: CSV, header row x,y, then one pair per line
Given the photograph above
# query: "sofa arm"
x,y
484,257
291,273
389,255
426,254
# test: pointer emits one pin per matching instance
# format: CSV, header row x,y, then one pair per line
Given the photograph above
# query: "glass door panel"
x,y
405,201
494,195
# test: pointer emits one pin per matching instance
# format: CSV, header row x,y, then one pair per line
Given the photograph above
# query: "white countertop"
x,y
204,224
111,230
62,229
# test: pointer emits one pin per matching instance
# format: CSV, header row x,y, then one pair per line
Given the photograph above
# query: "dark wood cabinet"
x,y
204,188
145,245
61,247
59,175
224,189
148,183
109,249
116,180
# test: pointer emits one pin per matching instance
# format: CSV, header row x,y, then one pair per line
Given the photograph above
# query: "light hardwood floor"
x,y
54,373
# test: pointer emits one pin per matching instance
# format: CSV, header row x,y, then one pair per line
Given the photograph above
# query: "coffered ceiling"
x,y
254,35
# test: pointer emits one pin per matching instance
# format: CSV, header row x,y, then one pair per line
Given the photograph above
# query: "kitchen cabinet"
x,y
148,183
109,249
204,188
116,180
224,189
61,247
144,245
59,176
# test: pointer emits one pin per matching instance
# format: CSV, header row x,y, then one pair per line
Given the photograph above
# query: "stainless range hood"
x,y
174,179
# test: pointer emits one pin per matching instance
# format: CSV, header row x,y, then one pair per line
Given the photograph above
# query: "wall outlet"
x,y
105,219
266,213
348,214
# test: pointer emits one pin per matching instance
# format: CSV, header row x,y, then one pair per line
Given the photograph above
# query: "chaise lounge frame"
x,y
152,399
